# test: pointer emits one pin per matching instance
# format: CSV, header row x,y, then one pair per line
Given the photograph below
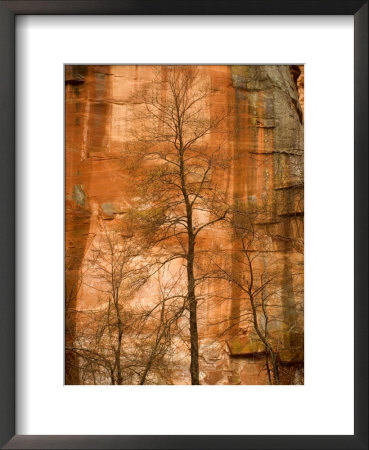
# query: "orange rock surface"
x,y
266,145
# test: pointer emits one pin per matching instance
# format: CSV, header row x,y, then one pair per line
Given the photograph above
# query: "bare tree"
x,y
252,283
122,337
258,279
176,166
114,275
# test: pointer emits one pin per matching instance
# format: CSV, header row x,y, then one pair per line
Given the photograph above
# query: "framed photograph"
x,y
161,169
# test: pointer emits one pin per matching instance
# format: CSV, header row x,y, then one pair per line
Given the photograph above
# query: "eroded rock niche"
x,y
265,142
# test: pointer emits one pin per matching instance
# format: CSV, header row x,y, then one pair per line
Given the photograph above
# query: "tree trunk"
x,y
119,338
194,368
144,375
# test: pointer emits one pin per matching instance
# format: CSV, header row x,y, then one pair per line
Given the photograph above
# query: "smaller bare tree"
x,y
257,288
114,275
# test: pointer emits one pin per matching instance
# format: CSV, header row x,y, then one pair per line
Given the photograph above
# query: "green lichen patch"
x,y
79,195
108,209
245,346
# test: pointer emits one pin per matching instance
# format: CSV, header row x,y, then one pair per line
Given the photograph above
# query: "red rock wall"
x,y
267,169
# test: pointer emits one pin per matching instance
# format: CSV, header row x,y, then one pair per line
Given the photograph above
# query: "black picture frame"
x,y
8,12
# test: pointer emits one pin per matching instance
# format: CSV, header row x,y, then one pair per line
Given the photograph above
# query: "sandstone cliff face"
x,y
266,145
